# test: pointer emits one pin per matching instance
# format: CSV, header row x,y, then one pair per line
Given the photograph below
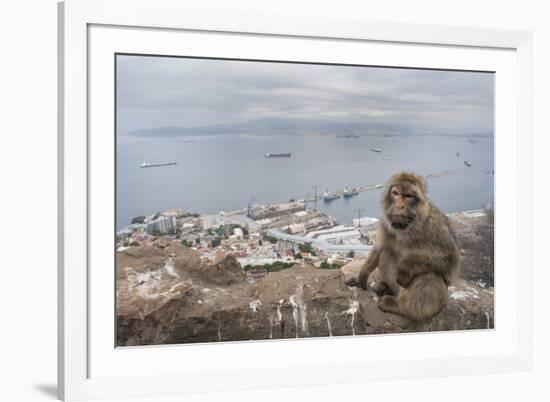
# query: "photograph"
x,y
262,200
280,200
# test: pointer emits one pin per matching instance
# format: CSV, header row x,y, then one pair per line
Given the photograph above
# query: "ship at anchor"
x,y
282,155
156,164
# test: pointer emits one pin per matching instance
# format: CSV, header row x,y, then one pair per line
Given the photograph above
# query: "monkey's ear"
x,y
417,181
422,184
386,197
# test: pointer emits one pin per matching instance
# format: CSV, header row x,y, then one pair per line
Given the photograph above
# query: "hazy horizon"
x,y
160,94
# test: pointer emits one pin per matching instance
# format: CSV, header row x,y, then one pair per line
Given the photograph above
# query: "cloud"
x,y
163,91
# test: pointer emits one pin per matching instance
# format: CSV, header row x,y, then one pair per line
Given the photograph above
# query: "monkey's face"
x,y
403,201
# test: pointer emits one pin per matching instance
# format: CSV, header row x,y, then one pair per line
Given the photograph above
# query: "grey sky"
x,y
160,91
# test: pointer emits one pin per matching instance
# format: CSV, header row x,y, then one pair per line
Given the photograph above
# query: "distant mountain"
x,y
272,126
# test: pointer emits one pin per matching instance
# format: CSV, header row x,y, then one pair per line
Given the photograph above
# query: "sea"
x,y
226,172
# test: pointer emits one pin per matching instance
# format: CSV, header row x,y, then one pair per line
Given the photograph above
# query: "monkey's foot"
x,y
388,304
381,288
404,278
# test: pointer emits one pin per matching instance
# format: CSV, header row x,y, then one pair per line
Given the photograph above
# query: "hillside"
x,y
166,295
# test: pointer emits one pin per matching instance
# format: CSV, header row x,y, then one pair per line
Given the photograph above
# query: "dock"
x,y
371,187
368,187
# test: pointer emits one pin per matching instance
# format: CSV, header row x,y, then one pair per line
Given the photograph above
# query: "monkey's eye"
x,y
395,193
409,196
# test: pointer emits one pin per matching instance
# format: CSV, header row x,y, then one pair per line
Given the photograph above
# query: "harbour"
x,y
224,172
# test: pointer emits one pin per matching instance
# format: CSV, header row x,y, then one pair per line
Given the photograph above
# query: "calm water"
x,y
224,172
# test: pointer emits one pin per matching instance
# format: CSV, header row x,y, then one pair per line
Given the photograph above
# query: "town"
x,y
263,238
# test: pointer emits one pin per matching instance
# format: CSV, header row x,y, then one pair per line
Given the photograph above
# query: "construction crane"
x,y
359,216
249,209
315,186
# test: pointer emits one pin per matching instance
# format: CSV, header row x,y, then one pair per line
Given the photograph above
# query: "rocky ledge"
x,y
166,295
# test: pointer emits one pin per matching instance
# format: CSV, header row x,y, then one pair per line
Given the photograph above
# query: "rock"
x,y
352,269
294,303
475,237
226,272
469,307
148,277
165,295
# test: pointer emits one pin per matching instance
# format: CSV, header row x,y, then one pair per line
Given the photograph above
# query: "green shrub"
x,y
276,266
138,219
325,265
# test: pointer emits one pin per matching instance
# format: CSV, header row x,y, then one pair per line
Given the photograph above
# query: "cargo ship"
x,y
156,164
283,155
330,196
347,136
350,192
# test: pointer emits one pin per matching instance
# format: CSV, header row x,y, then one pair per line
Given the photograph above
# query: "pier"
x,y
319,197
368,187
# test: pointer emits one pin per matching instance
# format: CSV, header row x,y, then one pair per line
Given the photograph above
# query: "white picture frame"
x,y
89,369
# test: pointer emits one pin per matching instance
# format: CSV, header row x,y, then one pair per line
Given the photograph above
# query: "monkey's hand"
x,y
404,277
360,281
353,282
370,264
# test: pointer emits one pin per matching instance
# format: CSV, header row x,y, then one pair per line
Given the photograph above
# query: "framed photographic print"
x,y
239,193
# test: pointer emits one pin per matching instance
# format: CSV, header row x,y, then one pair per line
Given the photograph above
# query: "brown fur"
x,y
415,251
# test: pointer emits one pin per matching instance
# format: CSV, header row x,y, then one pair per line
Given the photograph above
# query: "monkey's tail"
x,y
424,298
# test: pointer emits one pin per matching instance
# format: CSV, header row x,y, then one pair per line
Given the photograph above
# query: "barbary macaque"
x,y
415,251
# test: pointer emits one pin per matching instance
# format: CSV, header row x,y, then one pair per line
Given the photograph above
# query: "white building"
x,y
173,212
314,234
264,222
162,225
238,233
297,228
341,237
336,235
252,260
188,226
365,221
